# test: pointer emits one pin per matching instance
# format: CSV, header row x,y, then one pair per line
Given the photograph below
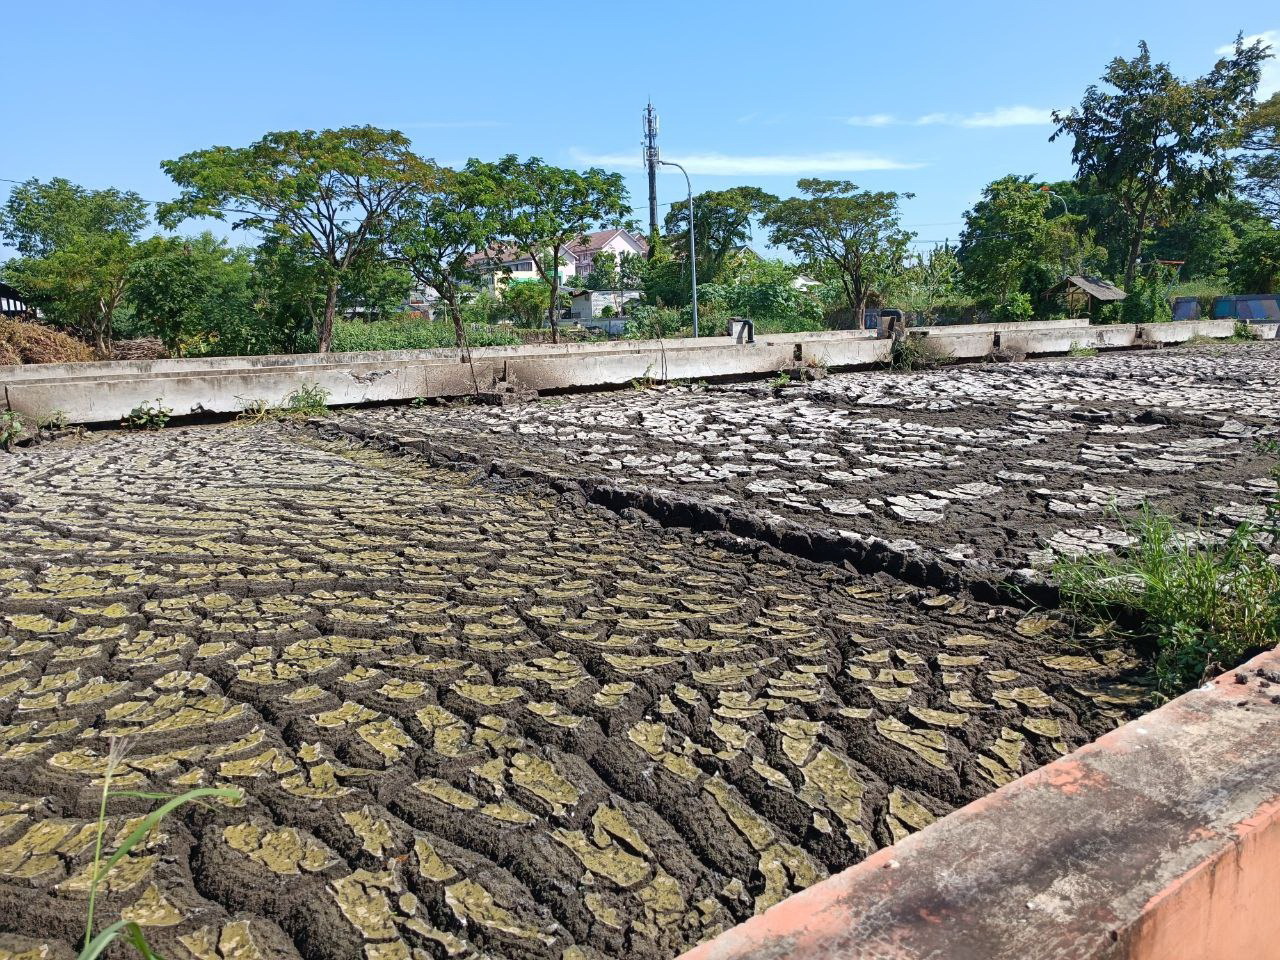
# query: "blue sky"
x,y
932,98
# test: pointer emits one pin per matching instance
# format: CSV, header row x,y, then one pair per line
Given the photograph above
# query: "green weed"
x,y
1080,350
1204,605
11,429
915,353
147,416
96,945
780,381
56,420
309,400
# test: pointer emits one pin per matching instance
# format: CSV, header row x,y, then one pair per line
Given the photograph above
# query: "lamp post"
x,y
693,260
1045,189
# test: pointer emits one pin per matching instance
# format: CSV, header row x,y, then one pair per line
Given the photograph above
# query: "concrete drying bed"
x,y
989,469
471,717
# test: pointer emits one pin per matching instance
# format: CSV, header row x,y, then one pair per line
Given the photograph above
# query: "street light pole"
x,y
1065,211
693,260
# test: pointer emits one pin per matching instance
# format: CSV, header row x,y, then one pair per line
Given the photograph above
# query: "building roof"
x,y
1102,290
597,240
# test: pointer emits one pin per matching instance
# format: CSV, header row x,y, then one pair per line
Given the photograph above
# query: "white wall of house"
x,y
620,243
589,304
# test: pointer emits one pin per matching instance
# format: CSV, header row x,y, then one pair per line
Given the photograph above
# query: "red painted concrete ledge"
x,y
1159,841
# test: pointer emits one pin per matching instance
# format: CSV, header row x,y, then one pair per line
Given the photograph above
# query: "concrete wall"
x,y
106,391
1159,841
1180,331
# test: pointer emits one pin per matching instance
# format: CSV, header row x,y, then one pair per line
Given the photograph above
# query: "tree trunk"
x,y
1135,243
455,313
326,324
555,290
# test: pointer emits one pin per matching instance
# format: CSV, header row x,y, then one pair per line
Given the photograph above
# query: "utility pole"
x,y
650,145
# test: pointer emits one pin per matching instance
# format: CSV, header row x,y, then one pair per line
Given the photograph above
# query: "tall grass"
x,y
415,334
1204,605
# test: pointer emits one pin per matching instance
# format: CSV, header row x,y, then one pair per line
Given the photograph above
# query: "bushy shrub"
x,y
647,322
1147,302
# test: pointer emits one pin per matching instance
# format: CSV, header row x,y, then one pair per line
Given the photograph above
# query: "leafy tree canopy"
x,y
722,222
41,218
1260,164
438,228
331,192
543,209
1012,250
856,234
1155,142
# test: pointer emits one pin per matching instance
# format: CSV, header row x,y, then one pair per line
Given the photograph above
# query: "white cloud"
x,y
1270,82
1018,116
761,165
873,120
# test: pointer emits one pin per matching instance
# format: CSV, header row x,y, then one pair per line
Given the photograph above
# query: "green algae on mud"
x,y
470,716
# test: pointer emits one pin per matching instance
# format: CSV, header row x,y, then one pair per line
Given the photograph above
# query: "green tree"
x,y
75,247
80,285
527,300
438,229
542,210
39,218
1257,264
177,290
374,287
765,291
604,272
1260,163
855,234
1012,250
927,281
722,222
1155,142
331,192
289,297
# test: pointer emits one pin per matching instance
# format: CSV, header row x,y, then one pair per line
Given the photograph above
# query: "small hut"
x,y
1082,294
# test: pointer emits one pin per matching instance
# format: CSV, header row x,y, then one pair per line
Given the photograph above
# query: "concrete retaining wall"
x,y
1159,841
1180,331
106,391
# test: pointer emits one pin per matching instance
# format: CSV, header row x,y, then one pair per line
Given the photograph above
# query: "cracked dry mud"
x,y
987,469
472,717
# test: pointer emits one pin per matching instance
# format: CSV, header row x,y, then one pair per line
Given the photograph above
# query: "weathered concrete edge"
x,y
1161,839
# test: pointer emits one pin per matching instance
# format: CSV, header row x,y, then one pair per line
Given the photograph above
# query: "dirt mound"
x,y
23,342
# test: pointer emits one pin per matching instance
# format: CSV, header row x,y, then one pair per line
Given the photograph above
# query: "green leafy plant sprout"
x,y
418,402
55,420
147,416
11,429
96,945
1080,350
782,380
309,400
